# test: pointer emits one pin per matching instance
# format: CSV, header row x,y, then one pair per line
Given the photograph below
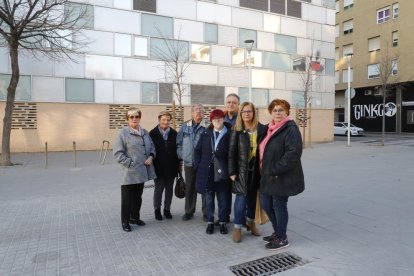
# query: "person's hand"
x,y
233,177
148,162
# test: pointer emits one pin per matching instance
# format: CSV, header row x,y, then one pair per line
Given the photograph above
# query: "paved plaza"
x,y
356,217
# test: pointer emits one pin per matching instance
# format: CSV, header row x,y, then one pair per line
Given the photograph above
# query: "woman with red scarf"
x,y
281,171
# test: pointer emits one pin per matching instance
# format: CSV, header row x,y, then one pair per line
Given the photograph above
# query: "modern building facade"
x,y
84,100
375,32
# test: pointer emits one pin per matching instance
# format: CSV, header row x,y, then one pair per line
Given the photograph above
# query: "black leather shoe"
x,y
167,214
223,229
137,222
158,215
126,227
187,217
210,228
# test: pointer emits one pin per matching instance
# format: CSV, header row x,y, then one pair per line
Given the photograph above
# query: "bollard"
x,y
102,160
45,155
74,153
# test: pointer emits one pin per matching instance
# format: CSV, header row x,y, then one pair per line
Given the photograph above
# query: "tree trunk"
x,y
11,93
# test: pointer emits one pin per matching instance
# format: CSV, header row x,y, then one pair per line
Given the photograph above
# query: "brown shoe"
x,y
253,229
237,235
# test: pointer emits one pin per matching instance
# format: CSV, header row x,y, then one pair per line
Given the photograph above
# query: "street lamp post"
x,y
249,48
349,57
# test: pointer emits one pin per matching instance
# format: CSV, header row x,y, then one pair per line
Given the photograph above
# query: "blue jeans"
x,y
222,190
276,209
244,206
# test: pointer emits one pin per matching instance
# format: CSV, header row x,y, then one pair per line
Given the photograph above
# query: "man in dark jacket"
x,y
166,163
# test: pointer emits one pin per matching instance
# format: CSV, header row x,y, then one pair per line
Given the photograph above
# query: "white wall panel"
x,y
316,99
327,50
117,20
143,70
104,91
99,42
188,30
177,8
328,100
229,76
293,27
233,3
314,31
227,36
304,46
248,19
201,74
73,67
293,82
314,13
330,84
328,33
263,78
280,80
330,17
128,92
32,66
5,60
271,23
209,12
221,55
265,41
107,3
280,94
318,84
103,67
123,4
47,89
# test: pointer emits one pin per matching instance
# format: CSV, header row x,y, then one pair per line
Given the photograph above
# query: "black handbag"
x,y
220,170
179,189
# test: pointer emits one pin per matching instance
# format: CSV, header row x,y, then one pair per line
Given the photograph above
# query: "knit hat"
x,y
216,113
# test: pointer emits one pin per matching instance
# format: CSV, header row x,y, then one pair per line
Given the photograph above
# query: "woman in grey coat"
x,y
135,151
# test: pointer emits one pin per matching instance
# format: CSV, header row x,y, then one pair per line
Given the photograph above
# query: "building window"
x,y
154,25
278,6
330,67
298,99
79,90
285,43
210,33
260,97
294,8
374,44
168,49
23,89
200,52
348,50
394,67
149,93
256,58
145,5
395,10
82,11
165,93
348,26
345,75
373,72
245,34
299,63
394,39
260,5
140,46
383,15
276,61
208,95
348,4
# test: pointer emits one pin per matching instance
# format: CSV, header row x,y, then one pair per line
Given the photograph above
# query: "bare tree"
x,y
308,68
387,71
42,27
174,54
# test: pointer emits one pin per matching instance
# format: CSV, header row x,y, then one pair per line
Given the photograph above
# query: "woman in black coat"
x,y
280,151
166,163
211,165
242,159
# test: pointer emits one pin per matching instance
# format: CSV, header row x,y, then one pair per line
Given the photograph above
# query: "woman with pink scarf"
x,y
281,171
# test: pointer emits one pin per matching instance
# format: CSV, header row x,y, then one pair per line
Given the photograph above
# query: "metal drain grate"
x,y
269,265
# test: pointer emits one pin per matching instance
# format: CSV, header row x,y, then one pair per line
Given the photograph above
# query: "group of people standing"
x,y
231,154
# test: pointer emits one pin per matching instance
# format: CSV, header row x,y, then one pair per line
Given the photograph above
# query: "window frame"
x,y
376,76
394,40
395,7
385,18
350,30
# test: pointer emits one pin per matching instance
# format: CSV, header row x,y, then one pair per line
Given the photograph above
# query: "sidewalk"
x,y
354,218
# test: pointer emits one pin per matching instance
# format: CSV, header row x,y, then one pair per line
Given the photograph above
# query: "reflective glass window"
x,y
81,14
154,25
298,99
165,93
168,49
256,58
145,5
210,33
140,46
245,34
238,56
200,52
122,44
276,61
23,89
255,4
79,90
299,63
208,95
330,67
285,43
149,93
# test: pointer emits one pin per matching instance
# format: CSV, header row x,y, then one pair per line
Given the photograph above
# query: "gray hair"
x,y
194,106
233,95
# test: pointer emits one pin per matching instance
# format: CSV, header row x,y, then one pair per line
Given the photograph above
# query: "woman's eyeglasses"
x,y
278,110
135,117
247,112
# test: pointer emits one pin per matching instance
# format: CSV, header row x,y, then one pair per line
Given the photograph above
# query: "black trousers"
x,y
131,201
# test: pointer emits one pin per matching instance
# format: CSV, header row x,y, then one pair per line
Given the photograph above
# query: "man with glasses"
x,y
187,139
